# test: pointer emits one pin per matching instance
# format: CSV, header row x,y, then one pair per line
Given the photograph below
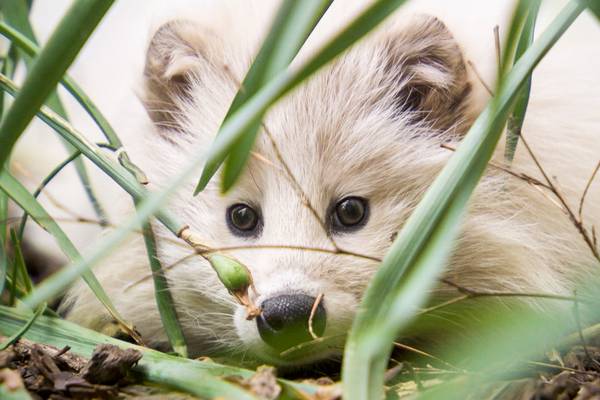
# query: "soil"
x,y
57,374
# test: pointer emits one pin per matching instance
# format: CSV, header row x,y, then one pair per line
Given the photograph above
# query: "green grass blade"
x,y
16,13
515,121
19,394
28,203
30,48
164,300
3,237
43,184
594,6
243,119
500,343
163,296
21,275
413,264
196,377
3,266
125,179
48,68
90,150
18,334
293,24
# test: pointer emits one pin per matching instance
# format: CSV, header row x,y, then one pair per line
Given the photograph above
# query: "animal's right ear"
x,y
175,61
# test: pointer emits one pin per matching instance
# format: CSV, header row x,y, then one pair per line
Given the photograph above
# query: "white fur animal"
x,y
362,138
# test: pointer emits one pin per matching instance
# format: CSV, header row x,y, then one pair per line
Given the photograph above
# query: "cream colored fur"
x,y
344,133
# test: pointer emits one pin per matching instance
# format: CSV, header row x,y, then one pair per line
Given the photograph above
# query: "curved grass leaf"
x,y
48,68
594,6
232,130
201,378
116,172
516,119
28,203
30,48
90,150
43,184
16,13
164,300
3,237
416,259
19,333
293,23
21,275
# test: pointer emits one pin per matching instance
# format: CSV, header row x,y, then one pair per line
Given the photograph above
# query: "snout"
x,y
286,320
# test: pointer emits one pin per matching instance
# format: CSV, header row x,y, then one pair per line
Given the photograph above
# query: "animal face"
x,y
338,167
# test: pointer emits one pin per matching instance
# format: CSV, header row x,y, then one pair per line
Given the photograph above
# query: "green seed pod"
x,y
237,279
234,275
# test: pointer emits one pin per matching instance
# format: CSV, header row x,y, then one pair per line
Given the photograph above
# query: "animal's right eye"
x,y
243,220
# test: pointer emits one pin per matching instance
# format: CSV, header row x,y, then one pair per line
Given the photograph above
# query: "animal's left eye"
x,y
350,213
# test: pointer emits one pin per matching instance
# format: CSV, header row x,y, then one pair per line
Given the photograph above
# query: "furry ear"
x,y
175,60
426,66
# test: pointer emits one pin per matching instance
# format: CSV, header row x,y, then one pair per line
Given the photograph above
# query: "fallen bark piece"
x,y
109,364
264,383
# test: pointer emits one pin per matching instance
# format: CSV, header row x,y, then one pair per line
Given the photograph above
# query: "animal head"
x,y
339,165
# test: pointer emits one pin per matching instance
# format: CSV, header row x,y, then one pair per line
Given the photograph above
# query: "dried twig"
x,y
425,354
577,222
498,47
480,78
585,191
313,310
288,172
590,239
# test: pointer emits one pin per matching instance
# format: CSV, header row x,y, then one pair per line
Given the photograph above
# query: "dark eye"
x,y
243,219
350,213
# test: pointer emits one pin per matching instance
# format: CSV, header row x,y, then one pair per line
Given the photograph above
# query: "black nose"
x,y
284,321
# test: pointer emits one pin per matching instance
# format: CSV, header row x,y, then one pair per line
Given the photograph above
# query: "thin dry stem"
x,y
585,191
480,78
577,222
498,47
288,172
428,355
313,310
299,191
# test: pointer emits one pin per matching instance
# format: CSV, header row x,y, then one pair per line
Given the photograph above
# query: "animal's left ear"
x,y
428,72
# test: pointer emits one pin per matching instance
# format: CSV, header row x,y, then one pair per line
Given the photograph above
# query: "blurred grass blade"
x,y
16,13
416,259
21,276
43,184
28,203
3,266
30,48
164,300
3,237
594,6
516,119
90,150
17,394
163,296
49,67
499,345
191,376
18,334
294,22
243,119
